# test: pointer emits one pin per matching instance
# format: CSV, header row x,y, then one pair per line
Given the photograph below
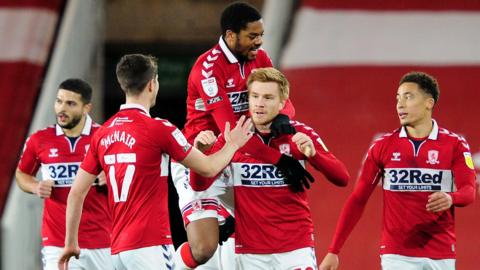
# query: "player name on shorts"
x,y
422,179
257,175
118,136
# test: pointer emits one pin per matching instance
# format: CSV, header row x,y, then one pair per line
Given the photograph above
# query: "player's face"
x,y
249,40
264,102
413,105
69,109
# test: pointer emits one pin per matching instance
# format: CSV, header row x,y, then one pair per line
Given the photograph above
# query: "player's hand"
x,y
296,176
43,189
281,125
68,252
204,140
242,132
330,262
439,201
102,179
304,144
226,229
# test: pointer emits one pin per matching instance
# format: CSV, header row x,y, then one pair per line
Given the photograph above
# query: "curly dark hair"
x,y
426,82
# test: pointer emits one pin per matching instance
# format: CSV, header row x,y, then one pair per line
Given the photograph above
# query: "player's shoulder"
x,y
48,131
452,137
300,126
382,139
209,62
264,57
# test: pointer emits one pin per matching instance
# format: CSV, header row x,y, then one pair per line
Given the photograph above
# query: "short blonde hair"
x,y
270,75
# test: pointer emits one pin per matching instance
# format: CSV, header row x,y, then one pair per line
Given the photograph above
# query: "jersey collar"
x,y
231,58
433,134
86,129
134,106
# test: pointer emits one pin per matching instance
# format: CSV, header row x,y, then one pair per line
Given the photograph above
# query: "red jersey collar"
x,y
134,106
433,134
231,58
85,131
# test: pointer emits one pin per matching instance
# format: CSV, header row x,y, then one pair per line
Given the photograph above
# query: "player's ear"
x,y
230,37
87,108
430,102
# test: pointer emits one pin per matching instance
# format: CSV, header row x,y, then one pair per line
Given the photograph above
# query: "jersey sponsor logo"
x,y
214,100
418,179
257,175
468,160
395,156
62,174
210,87
53,152
120,121
239,101
433,157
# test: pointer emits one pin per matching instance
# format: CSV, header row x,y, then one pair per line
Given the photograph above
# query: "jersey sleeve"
x,y
464,174
370,175
29,162
209,83
324,161
200,183
91,162
172,141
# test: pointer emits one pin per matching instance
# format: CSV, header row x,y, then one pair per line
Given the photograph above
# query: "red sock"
x,y
187,255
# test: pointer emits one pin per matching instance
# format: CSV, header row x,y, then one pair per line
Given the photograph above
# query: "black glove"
x,y
101,188
281,125
226,229
295,175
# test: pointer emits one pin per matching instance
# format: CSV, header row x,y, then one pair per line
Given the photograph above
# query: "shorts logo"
x,y
210,87
197,206
433,157
396,156
53,152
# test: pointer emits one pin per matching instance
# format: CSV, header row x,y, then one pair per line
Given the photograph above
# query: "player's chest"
x,y
428,154
62,149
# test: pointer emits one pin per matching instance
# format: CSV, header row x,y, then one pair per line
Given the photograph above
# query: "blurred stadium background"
x,y
343,58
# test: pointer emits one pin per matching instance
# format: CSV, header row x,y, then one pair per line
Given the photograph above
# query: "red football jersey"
x,y
217,77
59,160
442,162
133,149
269,217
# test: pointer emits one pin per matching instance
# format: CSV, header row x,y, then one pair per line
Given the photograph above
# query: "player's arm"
x,y
78,192
27,168
464,175
352,210
320,158
210,166
30,184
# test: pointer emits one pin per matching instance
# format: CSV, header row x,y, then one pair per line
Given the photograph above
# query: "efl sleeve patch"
x,y
210,87
179,137
468,160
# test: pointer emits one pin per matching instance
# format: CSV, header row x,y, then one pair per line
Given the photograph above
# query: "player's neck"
x,y
421,129
263,128
139,101
77,130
